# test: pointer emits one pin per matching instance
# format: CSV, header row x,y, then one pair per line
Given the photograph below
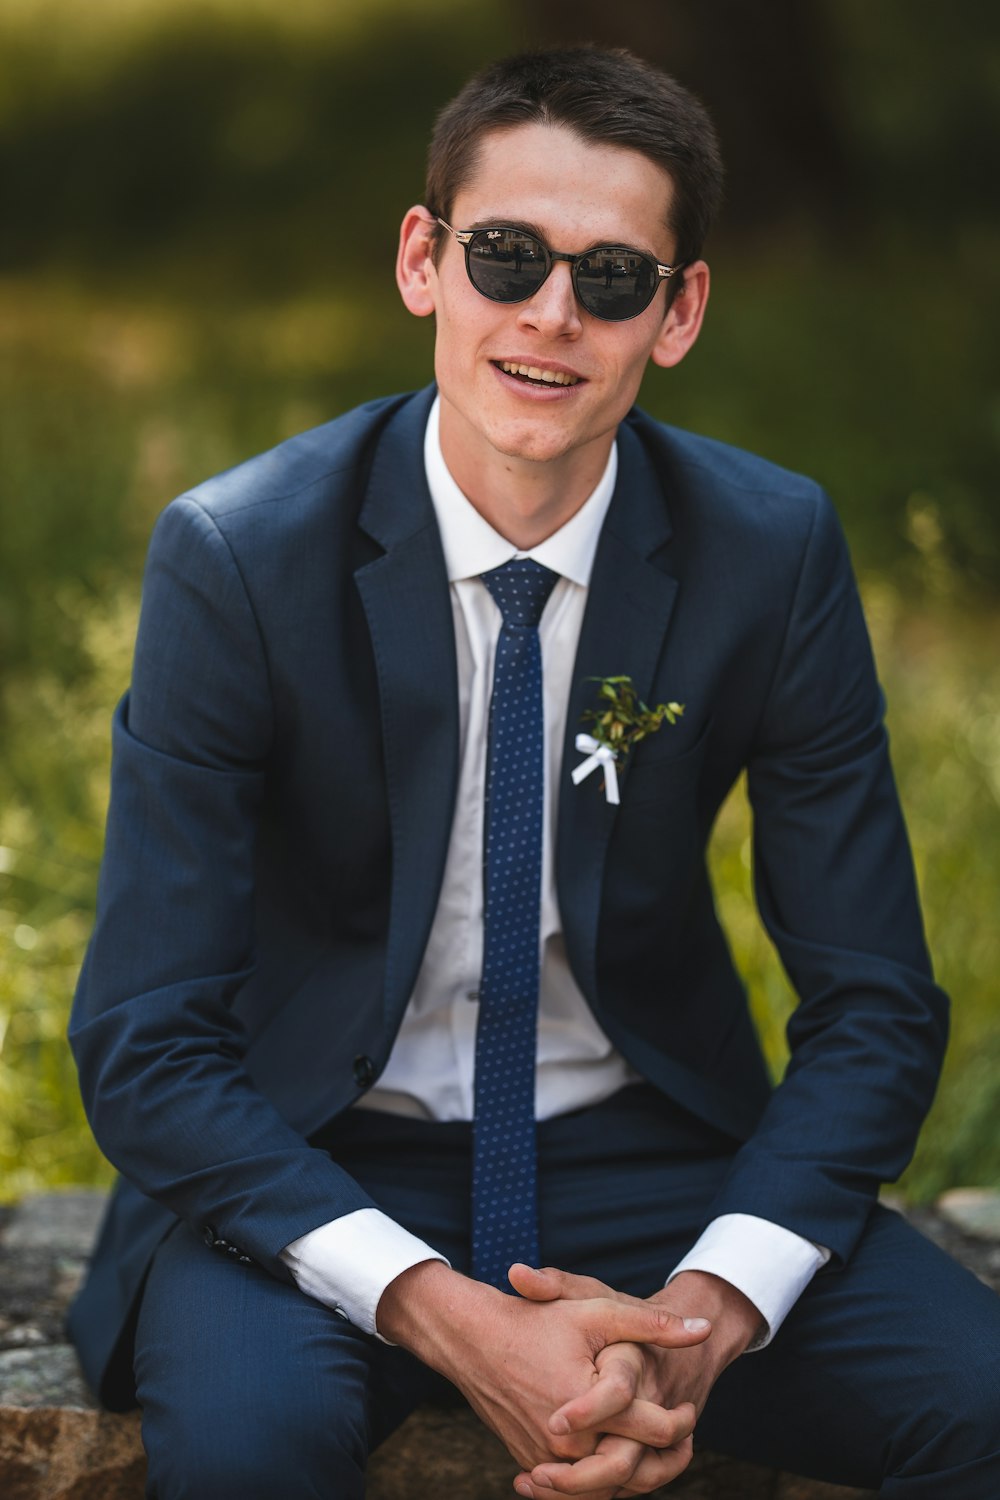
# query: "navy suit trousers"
x,y
885,1375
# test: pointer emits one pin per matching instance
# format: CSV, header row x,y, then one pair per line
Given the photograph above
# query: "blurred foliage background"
x,y
197,236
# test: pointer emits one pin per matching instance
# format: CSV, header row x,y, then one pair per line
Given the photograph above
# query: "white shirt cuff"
x,y
767,1263
348,1263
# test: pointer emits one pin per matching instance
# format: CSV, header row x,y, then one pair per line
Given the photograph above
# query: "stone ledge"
x,y
56,1445
472,1464
69,1453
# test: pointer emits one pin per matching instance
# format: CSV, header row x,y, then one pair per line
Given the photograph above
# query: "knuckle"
x,y
617,1464
620,1468
671,1435
638,1428
684,1427
674,1461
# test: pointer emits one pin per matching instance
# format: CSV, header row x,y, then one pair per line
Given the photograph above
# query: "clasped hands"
x,y
593,1392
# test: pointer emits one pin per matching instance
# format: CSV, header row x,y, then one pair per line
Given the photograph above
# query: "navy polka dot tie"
x,y
504,1195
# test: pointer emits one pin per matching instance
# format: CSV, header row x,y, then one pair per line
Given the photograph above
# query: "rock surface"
x,y
55,1444
975,1212
470,1464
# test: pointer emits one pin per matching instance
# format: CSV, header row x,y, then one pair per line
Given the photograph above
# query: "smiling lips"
x,y
536,373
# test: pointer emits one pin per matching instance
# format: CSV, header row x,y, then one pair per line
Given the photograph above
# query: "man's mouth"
x,y
537,374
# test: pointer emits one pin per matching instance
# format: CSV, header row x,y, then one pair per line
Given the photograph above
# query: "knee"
x,y
954,1443
254,1455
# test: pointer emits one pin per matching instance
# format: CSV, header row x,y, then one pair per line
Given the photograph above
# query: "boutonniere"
x,y
620,721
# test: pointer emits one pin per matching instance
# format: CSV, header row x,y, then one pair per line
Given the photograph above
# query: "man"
x,y
359,930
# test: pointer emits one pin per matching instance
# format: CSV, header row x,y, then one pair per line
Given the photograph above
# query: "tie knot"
x,y
521,589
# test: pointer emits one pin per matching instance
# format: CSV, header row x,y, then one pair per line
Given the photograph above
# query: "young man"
x,y
383,1000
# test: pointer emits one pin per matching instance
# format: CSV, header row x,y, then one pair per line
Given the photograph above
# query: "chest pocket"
x,y
661,776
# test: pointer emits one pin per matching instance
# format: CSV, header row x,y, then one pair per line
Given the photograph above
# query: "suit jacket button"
x,y
364,1071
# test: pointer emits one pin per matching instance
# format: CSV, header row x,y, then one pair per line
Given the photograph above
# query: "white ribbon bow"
x,y
597,755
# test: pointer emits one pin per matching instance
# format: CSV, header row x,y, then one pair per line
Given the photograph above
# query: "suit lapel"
x,y
629,605
407,603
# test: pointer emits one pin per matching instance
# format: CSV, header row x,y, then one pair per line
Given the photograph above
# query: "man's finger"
x,y
660,1466
605,1471
524,1486
654,1426
621,1369
548,1283
627,1319
642,1323
602,1473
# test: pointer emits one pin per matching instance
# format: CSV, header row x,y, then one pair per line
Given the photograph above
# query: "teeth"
x,y
533,372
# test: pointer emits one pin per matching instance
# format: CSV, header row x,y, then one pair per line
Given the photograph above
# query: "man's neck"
x,y
524,500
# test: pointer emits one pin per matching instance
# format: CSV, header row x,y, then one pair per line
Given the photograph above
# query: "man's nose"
x,y
553,309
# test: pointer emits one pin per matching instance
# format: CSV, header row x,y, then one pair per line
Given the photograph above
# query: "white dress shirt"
x,y
349,1262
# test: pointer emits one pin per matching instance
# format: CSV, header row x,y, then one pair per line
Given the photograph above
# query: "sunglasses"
x,y
612,282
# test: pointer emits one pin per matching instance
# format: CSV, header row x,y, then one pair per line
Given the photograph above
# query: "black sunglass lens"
x,y
615,283
505,264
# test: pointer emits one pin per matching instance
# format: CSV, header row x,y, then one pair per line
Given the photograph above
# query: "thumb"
x,y
548,1283
534,1283
647,1324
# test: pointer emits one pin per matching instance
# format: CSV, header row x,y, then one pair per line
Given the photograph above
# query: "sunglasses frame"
x,y
466,236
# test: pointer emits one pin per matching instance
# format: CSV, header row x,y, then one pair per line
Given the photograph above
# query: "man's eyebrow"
x,y
499,221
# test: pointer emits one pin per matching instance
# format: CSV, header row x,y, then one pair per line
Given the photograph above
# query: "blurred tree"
x,y
838,112
208,133
763,70
836,117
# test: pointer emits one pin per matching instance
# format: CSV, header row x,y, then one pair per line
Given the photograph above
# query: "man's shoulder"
x,y
733,509
333,457
689,460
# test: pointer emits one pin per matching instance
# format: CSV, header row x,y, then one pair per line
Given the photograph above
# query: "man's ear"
x,y
682,324
416,275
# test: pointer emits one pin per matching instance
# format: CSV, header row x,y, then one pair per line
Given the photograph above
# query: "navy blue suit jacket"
x,y
284,775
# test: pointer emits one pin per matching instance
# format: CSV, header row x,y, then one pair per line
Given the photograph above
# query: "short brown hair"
x,y
606,96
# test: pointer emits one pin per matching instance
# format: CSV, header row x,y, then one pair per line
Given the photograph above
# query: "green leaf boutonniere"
x,y
620,721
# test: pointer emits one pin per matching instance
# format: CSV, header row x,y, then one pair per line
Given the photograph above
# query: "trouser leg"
x,y
886,1373
250,1390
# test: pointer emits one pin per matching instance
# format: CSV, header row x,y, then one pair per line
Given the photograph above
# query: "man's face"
x,y
574,195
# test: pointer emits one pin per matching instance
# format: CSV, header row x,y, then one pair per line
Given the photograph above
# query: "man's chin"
x,y
538,443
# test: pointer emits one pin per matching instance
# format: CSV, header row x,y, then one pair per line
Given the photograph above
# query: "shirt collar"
x,y
471,546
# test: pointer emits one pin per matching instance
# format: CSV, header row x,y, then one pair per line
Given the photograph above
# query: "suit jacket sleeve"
x,y
836,890
157,1043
